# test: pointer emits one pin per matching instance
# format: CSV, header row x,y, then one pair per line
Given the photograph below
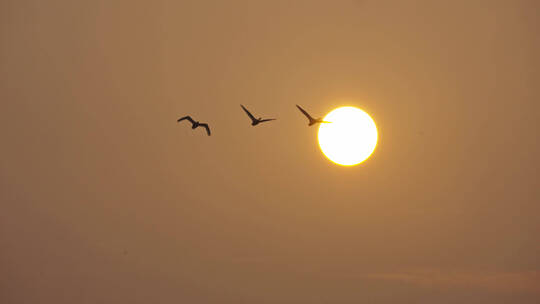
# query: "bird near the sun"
x,y
195,124
255,121
312,120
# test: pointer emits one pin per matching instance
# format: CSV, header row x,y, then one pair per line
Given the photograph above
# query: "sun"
x,y
349,138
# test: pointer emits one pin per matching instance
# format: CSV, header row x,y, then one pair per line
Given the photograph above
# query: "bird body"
x,y
255,121
195,124
312,120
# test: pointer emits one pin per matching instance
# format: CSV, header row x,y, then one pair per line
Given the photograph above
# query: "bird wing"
x,y
249,114
305,113
205,125
186,117
268,119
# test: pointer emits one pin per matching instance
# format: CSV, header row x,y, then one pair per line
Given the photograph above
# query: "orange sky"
x,y
105,199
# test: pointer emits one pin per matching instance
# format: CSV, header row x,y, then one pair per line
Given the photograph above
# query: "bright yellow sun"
x,y
349,138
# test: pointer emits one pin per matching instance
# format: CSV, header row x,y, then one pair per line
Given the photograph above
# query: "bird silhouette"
x,y
255,121
312,120
195,124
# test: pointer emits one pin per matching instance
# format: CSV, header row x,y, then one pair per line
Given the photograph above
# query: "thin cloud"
x,y
526,281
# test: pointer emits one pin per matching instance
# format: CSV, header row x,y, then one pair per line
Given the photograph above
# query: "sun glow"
x,y
350,137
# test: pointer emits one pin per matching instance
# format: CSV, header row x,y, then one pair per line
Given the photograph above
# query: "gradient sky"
x,y
106,199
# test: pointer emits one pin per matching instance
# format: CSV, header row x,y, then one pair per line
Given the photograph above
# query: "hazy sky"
x,y
106,199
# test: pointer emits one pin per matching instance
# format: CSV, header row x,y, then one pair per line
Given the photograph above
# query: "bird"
x,y
312,120
195,124
255,121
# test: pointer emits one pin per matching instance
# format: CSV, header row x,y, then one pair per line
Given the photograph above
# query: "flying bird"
x,y
195,124
255,121
312,120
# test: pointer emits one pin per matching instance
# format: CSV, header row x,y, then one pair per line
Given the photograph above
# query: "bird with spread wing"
x,y
255,121
312,120
195,124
